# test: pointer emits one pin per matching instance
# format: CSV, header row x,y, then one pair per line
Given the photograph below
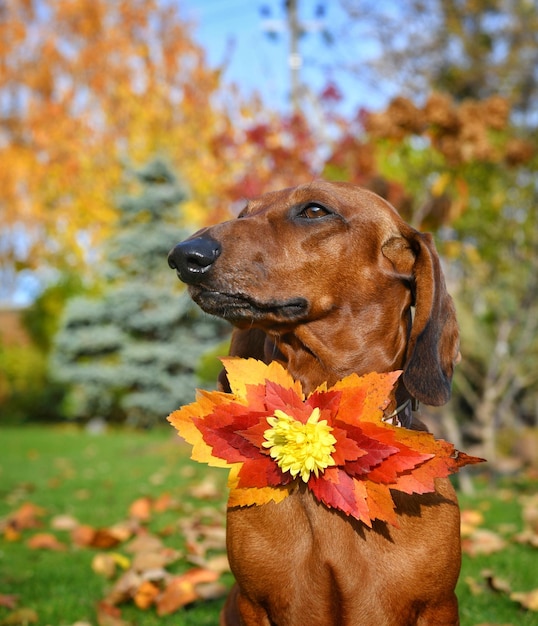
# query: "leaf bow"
x,y
334,441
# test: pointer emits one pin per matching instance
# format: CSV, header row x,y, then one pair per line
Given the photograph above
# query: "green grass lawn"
x,y
95,479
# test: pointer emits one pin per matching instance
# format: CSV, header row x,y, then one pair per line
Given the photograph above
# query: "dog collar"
x,y
393,418
407,407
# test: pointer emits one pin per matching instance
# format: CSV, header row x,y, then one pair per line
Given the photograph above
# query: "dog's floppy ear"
x,y
433,344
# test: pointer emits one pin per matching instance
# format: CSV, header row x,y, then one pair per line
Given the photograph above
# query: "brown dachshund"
x,y
324,278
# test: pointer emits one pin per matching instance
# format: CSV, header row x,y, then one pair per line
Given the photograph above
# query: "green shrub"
x,y
26,391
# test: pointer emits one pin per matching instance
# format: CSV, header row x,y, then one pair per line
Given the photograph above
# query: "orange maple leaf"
x,y
334,440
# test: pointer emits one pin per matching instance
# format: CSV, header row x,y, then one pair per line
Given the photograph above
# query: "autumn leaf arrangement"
x,y
334,442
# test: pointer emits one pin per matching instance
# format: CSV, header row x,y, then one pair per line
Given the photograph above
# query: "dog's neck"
x,y
313,365
316,354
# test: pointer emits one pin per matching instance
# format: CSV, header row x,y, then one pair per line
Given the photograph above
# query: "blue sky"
x,y
236,31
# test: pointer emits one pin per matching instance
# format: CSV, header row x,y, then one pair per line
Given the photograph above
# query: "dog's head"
x,y
334,265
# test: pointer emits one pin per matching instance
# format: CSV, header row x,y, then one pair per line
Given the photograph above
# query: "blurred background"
x,y
126,125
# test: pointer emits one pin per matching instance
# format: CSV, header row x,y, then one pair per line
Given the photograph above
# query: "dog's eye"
x,y
313,211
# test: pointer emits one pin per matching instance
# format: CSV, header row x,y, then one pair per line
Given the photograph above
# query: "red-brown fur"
x,y
328,296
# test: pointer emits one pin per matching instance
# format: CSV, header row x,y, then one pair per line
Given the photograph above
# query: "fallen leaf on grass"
x,y
218,563
211,591
156,575
181,590
475,587
123,561
64,522
528,600
146,595
45,541
124,530
145,542
167,531
470,520
82,494
102,538
11,534
149,560
124,588
176,595
508,529
202,536
208,489
495,583
529,534
8,601
105,538
104,565
83,535
140,509
108,615
483,541
20,617
527,537
20,492
164,503
27,516
145,582
488,581
530,512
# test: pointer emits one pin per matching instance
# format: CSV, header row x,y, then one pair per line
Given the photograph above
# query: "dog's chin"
x,y
241,309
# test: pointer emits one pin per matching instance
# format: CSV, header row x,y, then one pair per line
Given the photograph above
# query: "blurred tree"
x,y
496,263
85,83
470,49
27,393
27,390
286,151
132,353
42,317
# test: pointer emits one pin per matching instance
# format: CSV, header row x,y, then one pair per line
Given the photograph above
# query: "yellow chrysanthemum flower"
x,y
300,448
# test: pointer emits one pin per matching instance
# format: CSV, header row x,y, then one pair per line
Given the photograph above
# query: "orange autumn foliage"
x,y
89,85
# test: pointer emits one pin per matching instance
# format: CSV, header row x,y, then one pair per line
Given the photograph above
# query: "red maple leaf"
x,y
337,490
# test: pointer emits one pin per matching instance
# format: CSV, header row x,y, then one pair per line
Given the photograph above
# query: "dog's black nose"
x,y
193,258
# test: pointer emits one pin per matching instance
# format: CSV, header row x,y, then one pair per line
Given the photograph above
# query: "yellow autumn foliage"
x,y
90,85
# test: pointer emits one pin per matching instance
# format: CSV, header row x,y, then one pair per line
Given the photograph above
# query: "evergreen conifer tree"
x,y
131,354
